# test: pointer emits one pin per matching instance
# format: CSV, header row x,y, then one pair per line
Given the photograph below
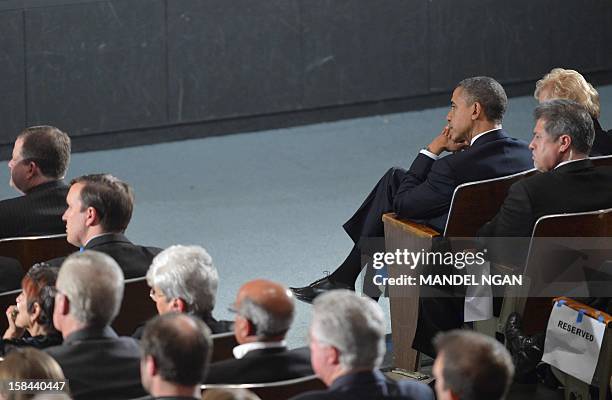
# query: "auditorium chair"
x,y
577,389
473,204
280,390
136,308
556,240
223,344
33,249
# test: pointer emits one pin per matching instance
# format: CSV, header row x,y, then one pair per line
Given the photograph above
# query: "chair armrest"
x,y
410,227
590,311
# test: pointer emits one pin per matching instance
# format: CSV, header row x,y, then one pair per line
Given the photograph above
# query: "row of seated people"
x,y
422,193
171,359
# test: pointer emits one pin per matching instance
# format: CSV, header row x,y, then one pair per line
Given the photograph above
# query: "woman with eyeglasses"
x,y
31,319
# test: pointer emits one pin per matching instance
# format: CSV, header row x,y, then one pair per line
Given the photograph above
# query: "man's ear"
x,y
32,170
476,111
333,355
63,305
150,365
565,141
243,328
91,216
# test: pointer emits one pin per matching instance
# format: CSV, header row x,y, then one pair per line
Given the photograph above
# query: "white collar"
x,y
241,350
484,133
569,161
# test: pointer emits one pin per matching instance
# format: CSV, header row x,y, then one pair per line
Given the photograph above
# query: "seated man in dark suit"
x,y
264,312
471,366
40,158
347,345
99,211
424,192
176,351
568,183
98,363
184,279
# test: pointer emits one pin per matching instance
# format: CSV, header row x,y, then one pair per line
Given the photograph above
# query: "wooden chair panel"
x,y
473,205
281,390
33,249
136,308
223,344
476,203
595,224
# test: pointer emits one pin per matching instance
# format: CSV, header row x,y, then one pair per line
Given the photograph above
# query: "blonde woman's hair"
x,y
569,84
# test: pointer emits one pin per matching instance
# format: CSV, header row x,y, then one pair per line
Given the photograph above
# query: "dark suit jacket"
x,y
38,212
574,187
369,385
262,366
134,260
100,365
426,191
602,146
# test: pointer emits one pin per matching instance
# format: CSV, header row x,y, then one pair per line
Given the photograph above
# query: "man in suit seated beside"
x,y
264,312
568,183
98,363
480,150
40,158
471,366
99,211
176,351
184,279
347,345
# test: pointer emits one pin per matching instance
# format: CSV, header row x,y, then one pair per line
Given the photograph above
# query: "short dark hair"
x,y
475,366
488,93
567,117
181,354
39,286
48,147
112,198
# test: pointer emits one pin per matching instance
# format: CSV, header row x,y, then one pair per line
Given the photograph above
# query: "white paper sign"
x,y
573,342
478,305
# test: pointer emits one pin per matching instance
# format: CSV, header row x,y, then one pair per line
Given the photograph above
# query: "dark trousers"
x,y
367,223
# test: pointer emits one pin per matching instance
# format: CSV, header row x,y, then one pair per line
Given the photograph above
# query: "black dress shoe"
x,y
526,351
309,293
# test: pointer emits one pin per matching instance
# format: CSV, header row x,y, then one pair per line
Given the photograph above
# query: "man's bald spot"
x,y
271,296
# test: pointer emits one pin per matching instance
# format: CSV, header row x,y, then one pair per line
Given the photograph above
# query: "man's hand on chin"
x,y
445,142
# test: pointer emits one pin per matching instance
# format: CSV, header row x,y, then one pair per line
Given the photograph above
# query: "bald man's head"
x,y
267,307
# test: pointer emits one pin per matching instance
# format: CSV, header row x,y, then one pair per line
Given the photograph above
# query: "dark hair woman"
x,y
31,319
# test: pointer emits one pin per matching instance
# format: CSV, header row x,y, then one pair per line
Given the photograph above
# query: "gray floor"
x,y
271,204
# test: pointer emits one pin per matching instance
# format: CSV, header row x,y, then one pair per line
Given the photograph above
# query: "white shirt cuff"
x,y
429,154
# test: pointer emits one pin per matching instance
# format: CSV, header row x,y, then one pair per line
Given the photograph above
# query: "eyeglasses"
x,y
154,294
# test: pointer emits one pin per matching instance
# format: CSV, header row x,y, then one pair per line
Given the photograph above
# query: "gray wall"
x,y
123,72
